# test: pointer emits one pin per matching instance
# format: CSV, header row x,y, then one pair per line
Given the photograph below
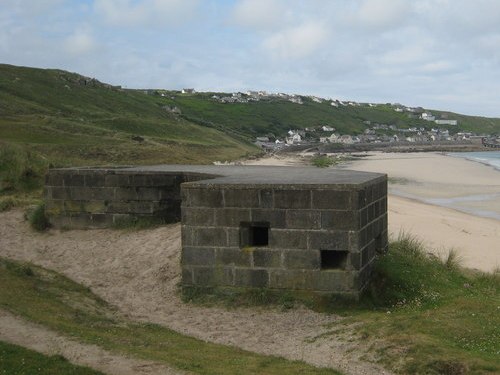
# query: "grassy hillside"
x,y
277,116
53,117
74,120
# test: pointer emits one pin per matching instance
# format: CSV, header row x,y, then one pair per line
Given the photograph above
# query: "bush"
x,y
37,218
322,161
20,169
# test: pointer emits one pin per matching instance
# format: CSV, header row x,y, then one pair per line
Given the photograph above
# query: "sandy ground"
x,y
20,332
138,272
461,184
420,181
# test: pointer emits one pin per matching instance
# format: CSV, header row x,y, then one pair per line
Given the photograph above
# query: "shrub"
x,y
20,169
322,161
37,218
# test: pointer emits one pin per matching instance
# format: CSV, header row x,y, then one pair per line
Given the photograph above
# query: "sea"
x,y
491,158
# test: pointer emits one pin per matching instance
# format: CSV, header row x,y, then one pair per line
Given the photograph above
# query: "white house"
x,y
188,91
427,116
327,128
446,122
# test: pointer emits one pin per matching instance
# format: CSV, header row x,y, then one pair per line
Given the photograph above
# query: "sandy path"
x,y
32,336
139,271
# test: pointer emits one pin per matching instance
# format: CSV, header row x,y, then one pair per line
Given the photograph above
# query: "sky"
x,y
441,54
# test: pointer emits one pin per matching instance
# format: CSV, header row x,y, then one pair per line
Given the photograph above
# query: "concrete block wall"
x,y
97,198
242,227
319,238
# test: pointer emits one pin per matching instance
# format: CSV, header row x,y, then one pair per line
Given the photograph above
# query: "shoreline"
x,y
428,178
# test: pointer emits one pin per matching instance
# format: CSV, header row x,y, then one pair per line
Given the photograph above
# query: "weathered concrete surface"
x,y
243,226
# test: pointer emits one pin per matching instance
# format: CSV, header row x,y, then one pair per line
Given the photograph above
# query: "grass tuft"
x,y
38,219
322,161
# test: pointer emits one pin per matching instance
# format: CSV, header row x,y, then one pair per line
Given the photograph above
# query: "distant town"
x,y
375,132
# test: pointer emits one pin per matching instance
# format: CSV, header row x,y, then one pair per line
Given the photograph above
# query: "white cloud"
x,y
30,7
383,14
151,13
259,14
80,42
297,42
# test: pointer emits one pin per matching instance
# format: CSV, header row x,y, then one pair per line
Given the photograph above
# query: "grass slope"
x,y
58,303
74,120
16,360
278,116
56,118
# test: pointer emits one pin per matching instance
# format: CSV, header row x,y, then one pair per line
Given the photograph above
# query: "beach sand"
x,y
418,183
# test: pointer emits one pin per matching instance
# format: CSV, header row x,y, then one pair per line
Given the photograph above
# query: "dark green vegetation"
x,y
277,116
16,360
322,161
57,118
425,315
440,318
58,303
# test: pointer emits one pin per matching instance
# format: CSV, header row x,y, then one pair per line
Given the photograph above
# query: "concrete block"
x,y
233,257
246,277
100,220
204,276
73,178
80,221
54,178
328,240
197,197
354,240
275,218
198,216
241,198
355,260
331,199
134,180
340,219
291,279
148,194
288,239
187,276
125,193
198,256
233,235
231,217
54,208
163,180
95,179
309,259
74,206
58,192
95,206
292,199
266,198
333,280
116,180
303,219
206,236
266,258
